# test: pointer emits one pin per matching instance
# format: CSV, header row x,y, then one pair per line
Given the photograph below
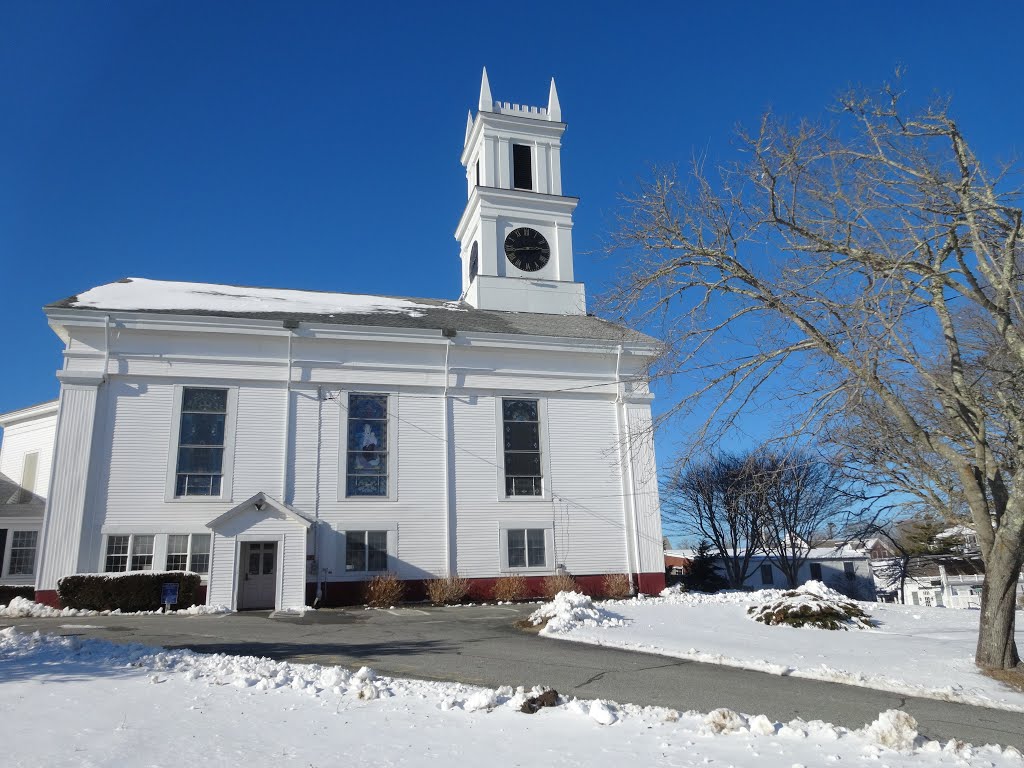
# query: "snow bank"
x,y
136,293
207,689
900,653
23,608
570,610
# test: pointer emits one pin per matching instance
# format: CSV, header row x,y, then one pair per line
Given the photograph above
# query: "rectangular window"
x,y
142,553
521,440
849,570
816,571
188,552
522,166
131,552
366,551
199,554
177,553
117,553
767,576
367,471
201,442
23,553
478,173
526,548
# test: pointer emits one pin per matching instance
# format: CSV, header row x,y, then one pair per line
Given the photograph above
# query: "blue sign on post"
x,y
169,594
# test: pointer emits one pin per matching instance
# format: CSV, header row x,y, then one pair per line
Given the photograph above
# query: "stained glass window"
x,y
367,463
201,442
521,439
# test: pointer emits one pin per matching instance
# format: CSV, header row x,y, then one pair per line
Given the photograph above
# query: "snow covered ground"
x,y
71,702
912,650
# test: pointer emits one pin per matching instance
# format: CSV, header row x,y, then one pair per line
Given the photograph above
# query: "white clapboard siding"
x,y
258,526
259,441
585,479
417,512
645,487
66,504
31,435
585,507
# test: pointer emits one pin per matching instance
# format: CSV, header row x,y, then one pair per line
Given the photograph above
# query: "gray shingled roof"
x,y
16,502
432,314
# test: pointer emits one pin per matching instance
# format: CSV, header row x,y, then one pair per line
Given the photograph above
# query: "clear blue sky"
x,y
316,145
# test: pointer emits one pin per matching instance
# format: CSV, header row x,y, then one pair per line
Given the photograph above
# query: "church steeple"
x,y
516,231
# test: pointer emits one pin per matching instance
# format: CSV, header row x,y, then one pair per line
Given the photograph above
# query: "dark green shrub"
x,y
9,593
131,592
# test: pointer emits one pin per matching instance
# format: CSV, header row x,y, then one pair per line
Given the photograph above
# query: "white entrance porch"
x,y
259,556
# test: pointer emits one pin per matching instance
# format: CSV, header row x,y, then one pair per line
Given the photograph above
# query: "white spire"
x,y
486,103
554,108
469,126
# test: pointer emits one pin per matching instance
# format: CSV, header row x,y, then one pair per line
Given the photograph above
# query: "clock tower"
x,y
515,234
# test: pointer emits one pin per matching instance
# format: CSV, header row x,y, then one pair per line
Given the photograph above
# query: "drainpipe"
x,y
624,460
290,326
316,500
106,345
449,334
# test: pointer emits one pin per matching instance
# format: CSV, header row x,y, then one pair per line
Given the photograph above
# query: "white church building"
x,y
289,445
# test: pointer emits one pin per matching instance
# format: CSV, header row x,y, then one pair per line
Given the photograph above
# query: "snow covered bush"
x,y
384,590
812,604
508,589
127,592
616,586
560,582
447,591
572,609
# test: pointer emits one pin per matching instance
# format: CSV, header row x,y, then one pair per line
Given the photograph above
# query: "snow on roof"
x,y
137,293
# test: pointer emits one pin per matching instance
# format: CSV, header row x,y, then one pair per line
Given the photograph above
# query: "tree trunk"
x,y
996,646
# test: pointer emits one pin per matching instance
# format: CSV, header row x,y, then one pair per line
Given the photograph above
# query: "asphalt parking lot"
x,y
481,645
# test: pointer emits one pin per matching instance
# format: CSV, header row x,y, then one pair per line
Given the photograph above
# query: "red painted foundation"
x,y
339,593
48,597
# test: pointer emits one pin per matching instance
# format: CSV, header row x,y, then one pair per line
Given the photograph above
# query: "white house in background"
x,y
290,445
844,567
951,580
26,455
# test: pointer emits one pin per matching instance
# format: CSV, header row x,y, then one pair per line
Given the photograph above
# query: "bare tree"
x,y
873,260
801,496
712,498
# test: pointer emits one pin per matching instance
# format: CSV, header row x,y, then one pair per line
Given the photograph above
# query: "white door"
x,y
259,575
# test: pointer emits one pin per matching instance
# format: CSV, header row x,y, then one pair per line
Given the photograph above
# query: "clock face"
x,y
527,249
474,263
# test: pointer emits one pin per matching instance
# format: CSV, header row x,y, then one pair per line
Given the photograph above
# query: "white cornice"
x,y
166,323
39,411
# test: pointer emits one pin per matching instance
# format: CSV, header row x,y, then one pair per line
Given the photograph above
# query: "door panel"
x,y
258,588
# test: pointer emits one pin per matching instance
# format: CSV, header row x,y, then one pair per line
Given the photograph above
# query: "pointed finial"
x,y
486,103
554,108
469,126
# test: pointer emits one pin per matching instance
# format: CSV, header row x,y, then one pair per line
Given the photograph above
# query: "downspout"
x,y
106,345
290,326
317,572
624,459
448,334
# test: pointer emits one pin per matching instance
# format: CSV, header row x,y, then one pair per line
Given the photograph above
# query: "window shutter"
x,y
522,166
